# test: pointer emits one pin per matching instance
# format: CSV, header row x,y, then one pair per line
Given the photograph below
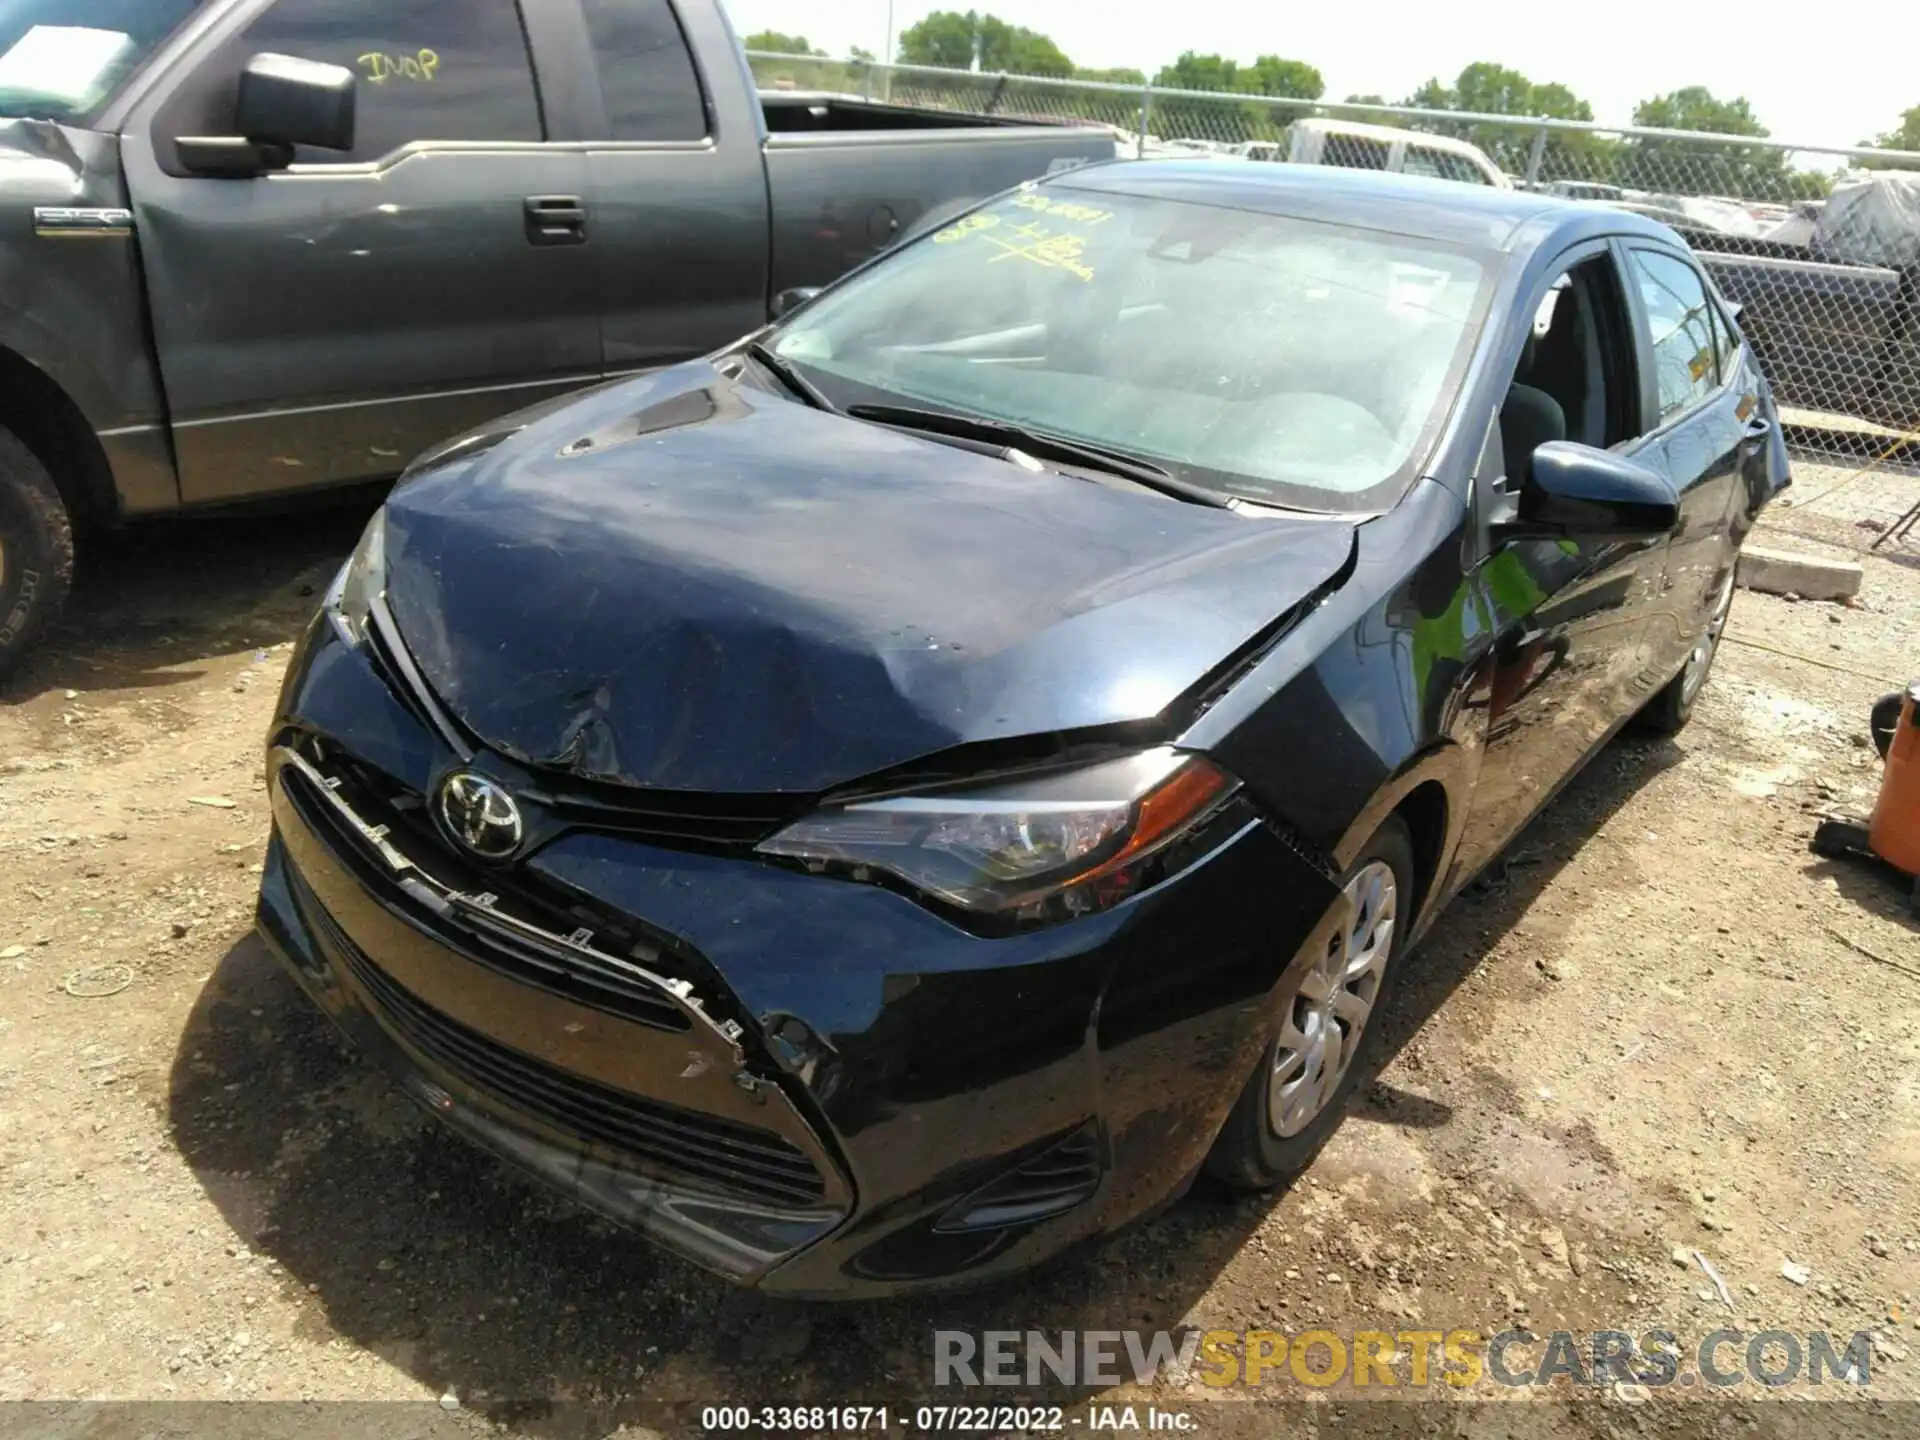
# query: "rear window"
x,y
1442,165
1279,359
646,71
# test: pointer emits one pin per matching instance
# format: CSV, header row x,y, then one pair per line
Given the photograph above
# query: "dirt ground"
x,y
1662,1027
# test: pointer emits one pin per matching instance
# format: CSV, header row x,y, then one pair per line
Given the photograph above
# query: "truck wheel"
x,y
36,551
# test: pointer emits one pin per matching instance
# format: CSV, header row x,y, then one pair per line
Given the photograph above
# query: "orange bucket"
x,y
1894,831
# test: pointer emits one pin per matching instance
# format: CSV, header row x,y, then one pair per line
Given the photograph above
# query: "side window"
x,y
646,72
1441,165
1575,378
428,69
1356,152
1685,353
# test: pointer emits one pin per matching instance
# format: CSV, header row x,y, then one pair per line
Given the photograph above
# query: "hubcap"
x,y
1322,1029
1700,658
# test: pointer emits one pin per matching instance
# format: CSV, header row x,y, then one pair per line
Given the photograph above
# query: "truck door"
x,y
325,323
672,132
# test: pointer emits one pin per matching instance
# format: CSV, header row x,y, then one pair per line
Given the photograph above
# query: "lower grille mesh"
x,y
705,1151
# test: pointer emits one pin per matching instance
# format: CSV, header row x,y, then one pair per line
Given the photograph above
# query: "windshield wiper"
x,y
787,375
1041,445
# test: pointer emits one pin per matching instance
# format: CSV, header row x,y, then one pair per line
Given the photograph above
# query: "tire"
x,y
1261,1146
36,551
1884,721
1668,712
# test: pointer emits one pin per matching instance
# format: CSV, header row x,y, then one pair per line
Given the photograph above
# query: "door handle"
x,y
556,220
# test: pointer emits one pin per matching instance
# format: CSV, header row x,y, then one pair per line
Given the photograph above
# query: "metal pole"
x,y
886,56
1533,157
1146,109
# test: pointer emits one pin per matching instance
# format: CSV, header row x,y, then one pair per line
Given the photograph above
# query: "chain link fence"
x,y
1819,247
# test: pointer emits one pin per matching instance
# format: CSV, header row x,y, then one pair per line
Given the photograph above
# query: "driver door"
x,y
1571,618
325,323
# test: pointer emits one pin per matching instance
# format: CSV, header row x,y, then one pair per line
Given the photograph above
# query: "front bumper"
x,y
823,1088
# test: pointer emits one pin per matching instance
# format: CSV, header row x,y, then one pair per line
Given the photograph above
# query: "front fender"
x,y
1375,694
72,300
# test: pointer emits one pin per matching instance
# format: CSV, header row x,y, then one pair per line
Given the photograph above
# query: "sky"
x,y
1834,82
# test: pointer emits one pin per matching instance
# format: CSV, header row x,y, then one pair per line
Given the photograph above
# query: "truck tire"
x,y
36,551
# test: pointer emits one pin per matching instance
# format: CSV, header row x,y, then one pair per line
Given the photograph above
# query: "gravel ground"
x,y
1662,1027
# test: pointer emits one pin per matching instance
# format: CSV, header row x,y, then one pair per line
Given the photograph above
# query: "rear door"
x,y
671,127
326,323
1701,400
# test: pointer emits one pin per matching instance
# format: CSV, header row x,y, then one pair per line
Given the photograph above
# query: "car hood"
x,y
691,584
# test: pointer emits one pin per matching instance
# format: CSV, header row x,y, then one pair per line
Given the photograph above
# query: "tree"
x,y
1112,75
1904,136
953,39
1288,79
1268,75
1691,167
1484,88
782,44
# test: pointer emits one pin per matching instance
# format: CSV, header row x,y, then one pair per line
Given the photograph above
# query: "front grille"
x,y
596,978
675,817
704,1151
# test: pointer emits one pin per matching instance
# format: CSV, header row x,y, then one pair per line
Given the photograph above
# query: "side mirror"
x,y
283,101
289,101
1578,493
788,300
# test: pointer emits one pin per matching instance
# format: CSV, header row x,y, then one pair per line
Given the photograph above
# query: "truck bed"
x,y
1830,336
848,177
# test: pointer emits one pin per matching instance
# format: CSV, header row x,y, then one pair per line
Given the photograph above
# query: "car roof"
x,y
1412,205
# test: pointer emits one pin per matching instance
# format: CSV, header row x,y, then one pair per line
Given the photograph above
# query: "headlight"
x,y
362,578
1053,846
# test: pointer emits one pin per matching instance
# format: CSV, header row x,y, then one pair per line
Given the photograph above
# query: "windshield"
x,y
1282,360
61,58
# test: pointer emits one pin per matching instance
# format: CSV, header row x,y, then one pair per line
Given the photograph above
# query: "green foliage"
x,y
783,44
1112,75
951,38
1269,75
1484,88
1688,167
1904,136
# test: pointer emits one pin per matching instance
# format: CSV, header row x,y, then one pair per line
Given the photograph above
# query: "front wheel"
x,y
1327,1014
1672,708
36,551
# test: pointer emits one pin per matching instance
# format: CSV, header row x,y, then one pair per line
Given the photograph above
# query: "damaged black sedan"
x,y
910,791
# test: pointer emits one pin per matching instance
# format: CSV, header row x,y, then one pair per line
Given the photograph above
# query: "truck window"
x,y
1685,365
428,69
1356,152
59,59
646,71
1442,165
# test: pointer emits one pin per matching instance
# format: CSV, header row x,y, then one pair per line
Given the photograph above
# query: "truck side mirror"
x,y
288,101
793,299
283,101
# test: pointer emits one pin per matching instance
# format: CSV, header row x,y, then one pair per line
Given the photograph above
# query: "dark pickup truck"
x,y
253,247
1835,318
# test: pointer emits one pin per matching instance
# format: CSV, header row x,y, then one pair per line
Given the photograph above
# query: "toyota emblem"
x,y
481,815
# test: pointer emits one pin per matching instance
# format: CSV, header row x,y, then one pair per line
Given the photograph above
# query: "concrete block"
x,y
1785,572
